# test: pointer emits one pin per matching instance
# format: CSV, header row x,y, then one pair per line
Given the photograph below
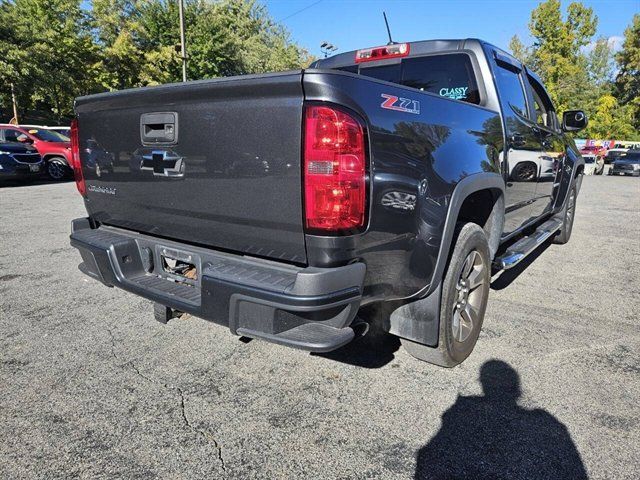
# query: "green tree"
x,y
611,120
117,34
628,79
521,51
56,50
48,52
557,49
600,64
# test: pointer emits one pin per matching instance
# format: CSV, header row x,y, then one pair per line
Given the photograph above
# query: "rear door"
x,y
521,155
551,144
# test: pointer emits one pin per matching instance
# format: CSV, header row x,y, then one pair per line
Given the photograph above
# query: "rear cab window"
x,y
449,75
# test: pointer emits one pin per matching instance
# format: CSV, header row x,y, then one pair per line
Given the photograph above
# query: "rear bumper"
x,y
308,308
20,170
633,173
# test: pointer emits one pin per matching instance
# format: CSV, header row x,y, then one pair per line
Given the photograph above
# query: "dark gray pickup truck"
x,y
280,204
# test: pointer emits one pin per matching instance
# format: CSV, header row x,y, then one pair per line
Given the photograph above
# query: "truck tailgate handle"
x,y
159,128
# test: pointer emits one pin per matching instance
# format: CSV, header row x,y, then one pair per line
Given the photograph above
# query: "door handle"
x,y
159,128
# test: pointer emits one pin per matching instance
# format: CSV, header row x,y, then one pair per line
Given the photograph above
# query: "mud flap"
x,y
419,320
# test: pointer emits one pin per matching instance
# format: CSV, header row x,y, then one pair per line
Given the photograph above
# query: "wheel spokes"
x,y
468,265
476,277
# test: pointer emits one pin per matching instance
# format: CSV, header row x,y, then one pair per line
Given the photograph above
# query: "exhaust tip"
x,y
360,327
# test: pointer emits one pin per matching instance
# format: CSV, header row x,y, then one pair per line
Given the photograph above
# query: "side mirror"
x,y
574,120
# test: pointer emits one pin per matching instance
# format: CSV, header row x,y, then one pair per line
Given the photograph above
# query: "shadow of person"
x,y
492,437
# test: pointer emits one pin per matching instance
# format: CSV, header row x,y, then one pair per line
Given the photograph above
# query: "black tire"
x,y
568,215
525,172
463,302
57,168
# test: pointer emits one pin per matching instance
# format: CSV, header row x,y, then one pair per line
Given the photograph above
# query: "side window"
x,y
11,135
544,112
510,90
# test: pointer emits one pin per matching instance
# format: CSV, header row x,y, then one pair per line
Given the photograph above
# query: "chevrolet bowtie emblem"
x,y
162,163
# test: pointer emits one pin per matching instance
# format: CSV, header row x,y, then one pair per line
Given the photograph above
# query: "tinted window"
x,y
545,114
388,73
510,90
445,75
11,135
449,75
349,68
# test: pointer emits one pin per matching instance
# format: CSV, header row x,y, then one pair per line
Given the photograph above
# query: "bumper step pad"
x,y
313,337
302,307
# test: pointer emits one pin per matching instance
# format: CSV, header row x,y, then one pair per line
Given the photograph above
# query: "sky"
x,y
354,24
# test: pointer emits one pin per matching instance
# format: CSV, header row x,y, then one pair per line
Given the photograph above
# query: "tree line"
x,y
55,50
52,51
583,72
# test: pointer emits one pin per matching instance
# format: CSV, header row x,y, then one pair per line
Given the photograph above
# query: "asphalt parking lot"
x,y
92,387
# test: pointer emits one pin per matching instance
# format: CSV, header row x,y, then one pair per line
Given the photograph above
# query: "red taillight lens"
x,y
334,170
75,158
395,50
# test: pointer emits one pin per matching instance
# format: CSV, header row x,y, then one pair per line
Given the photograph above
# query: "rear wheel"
x,y
567,218
57,168
465,291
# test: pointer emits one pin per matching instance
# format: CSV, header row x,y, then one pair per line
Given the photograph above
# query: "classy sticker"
x,y
457,93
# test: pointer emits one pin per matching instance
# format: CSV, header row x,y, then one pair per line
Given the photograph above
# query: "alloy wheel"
x,y
471,288
56,170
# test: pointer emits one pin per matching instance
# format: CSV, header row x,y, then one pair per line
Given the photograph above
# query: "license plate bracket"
x,y
180,265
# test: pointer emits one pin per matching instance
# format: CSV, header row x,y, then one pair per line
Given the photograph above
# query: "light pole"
x,y
327,48
14,120
183,43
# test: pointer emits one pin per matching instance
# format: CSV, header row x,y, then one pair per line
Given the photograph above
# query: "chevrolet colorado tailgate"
x,y
214,163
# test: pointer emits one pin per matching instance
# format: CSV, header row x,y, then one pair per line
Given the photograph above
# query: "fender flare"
x,y
419,319
466,186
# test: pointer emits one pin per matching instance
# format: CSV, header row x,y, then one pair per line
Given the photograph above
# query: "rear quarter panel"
x,y
416,161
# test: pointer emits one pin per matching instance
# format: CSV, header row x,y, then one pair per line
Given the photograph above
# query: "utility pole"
x,y
15,106
183,43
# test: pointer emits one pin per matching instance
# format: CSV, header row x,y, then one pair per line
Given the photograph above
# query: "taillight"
x,y
75,158
334,170
395,50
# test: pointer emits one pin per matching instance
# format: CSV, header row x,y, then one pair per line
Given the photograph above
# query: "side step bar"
x,y
523,247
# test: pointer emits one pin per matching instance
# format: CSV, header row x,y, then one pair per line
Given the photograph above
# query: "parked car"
x,y
627,165
19,161
593,150
614,154
54,148
593,164
388,183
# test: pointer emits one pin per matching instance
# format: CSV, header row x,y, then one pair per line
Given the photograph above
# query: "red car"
x,y
593,150
54,148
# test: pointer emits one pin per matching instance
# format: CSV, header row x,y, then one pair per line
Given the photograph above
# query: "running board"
x,y
523,247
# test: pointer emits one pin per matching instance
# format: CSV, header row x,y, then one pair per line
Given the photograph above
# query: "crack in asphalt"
x,y
203,433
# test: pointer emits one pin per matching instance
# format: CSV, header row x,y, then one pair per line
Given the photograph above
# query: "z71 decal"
x,y
400,104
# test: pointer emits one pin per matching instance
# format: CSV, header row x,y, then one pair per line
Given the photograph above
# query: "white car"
x,y
593,164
